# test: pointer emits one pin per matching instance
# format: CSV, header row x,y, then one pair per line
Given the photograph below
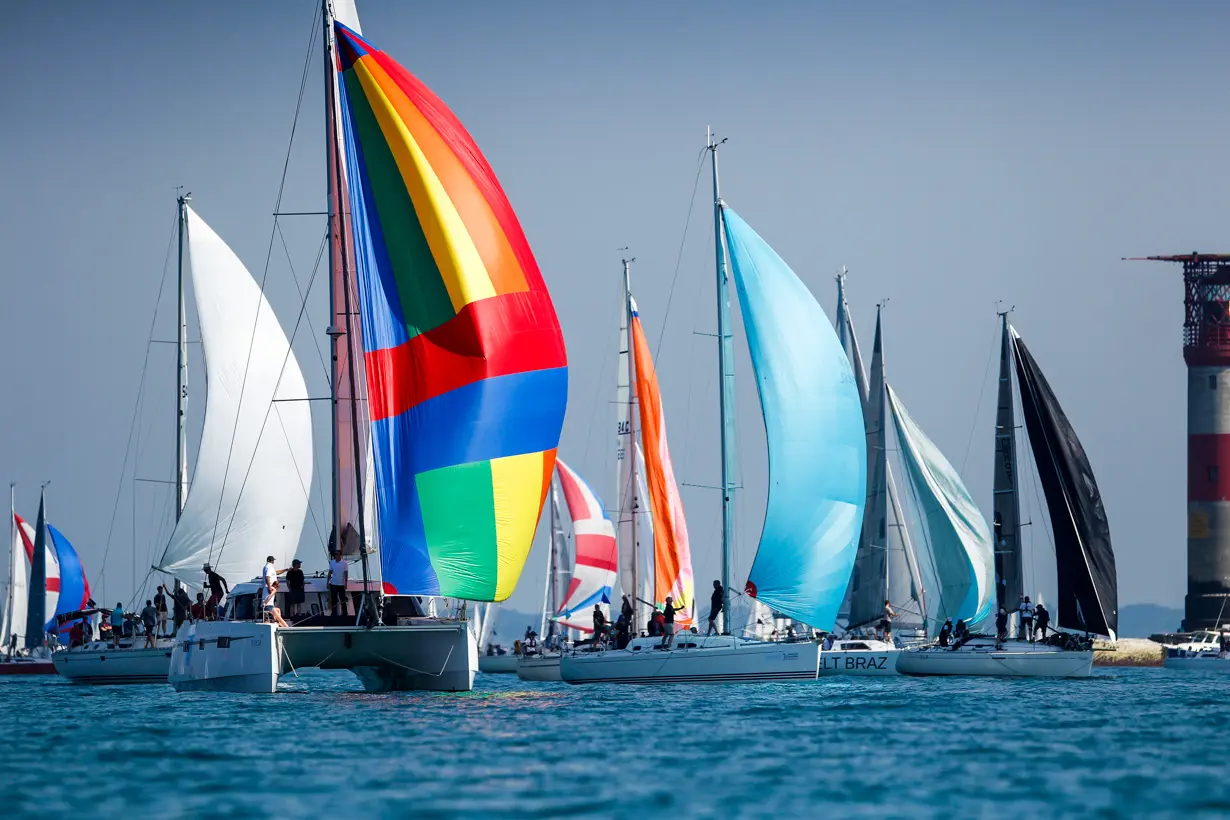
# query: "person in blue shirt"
x,y
117,623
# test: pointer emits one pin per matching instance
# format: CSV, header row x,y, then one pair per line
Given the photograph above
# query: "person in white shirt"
x,y
270,578
1026,610
339,571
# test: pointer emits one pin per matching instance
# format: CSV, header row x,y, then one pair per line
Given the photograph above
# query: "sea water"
x,y
1124,742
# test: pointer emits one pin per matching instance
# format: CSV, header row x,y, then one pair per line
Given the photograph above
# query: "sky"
x,y
954,157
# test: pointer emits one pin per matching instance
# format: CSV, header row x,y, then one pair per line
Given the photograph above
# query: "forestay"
x,y
813,417
249,492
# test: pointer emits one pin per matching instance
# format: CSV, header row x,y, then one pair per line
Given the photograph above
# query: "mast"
x,y
630,450
340,251
1006,507
726,377
181,375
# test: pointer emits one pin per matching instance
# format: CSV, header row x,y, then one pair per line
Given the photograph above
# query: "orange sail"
x,y
671,552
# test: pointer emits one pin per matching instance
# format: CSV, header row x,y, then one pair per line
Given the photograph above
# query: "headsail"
x,y
1085,561
37,603
956,532
19,594
593,537
466,370
672,552
813,417
1006,505
249,492
74,586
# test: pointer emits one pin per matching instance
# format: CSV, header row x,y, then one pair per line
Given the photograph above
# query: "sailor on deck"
x,y
1026,632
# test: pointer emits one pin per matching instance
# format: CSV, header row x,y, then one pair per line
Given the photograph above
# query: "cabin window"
x,y
849,646
1212,382
1213,474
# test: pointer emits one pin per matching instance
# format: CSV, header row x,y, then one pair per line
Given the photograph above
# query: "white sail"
x,y
18,592
344,12
249,492
956,533
625,492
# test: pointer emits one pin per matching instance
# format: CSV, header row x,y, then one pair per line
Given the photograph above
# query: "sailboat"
x,y
886,567
38,592
1085,560
817,474
543,663
248,497
592,580
450,381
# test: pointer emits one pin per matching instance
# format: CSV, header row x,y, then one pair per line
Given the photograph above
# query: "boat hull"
x,y
714,660
859,662
498,664
429,655
22,666
1178,658
102,664
1022,662
543,668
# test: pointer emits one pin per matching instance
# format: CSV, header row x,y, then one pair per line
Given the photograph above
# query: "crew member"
x,y
1043,619
716,602
216,585
1026,632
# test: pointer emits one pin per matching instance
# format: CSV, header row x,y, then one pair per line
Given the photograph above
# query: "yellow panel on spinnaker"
x,y
517,490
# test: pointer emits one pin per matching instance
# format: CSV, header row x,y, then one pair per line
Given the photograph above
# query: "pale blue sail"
x,y
956,533
813,417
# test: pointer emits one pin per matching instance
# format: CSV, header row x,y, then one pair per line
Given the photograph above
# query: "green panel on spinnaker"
x,y
458,506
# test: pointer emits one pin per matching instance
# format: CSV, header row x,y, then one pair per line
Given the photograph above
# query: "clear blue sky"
x,y
951,155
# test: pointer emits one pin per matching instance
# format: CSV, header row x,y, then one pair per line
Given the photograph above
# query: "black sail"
x,y
1085,561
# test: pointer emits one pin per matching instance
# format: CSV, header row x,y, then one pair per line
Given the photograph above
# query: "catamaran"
x,y
449,380
810,406
1085,561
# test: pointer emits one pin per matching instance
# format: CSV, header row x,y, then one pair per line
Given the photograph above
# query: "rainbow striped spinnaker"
x,y
466,370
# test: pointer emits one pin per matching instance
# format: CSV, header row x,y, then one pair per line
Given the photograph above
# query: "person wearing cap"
x,y
216,585
295,592
668,622
1001,628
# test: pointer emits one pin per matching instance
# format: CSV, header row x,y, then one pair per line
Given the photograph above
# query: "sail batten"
x,y
1085,561
957,534
813,415
465,362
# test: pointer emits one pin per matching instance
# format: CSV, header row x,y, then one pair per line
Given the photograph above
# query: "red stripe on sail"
x,y
497,336
595,551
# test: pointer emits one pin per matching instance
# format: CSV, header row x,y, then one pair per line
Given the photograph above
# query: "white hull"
x,y
875,663
498,664
1193,657
982,659
251,657
722,659
100,663
539,668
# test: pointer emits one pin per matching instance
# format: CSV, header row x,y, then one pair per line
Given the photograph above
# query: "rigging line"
x,y
700,166
307,491
307,61
260,436
132,427
981,391
302,297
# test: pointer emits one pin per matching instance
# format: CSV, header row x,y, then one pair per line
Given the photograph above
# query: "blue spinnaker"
x,y
813,417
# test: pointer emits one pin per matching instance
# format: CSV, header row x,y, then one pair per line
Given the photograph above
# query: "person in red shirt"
x,y
198,609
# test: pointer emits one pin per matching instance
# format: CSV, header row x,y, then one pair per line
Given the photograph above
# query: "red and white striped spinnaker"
x,y
595,567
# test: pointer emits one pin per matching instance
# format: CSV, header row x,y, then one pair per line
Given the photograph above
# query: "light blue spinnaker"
x,y
813,417
957,534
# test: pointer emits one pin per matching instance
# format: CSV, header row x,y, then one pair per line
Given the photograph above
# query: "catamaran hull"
x,y
109,665
497,664
241,656
539,668
992,663
854,662
737,661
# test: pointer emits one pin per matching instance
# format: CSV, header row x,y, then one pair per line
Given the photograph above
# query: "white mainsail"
x,y
15,620
249,492
626,493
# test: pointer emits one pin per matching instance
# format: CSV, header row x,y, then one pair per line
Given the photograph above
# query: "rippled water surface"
x,y
1125,742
